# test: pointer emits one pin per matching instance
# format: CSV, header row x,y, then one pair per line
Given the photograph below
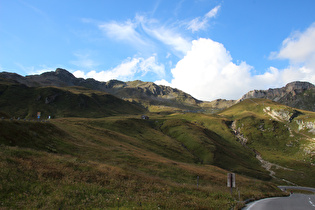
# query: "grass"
x,y
278,141
115,162
25,102
33,179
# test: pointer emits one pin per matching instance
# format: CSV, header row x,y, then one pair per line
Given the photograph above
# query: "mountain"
x,y
297,94
282,137
146,93
157,98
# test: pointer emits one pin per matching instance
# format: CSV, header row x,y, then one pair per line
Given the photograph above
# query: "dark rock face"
x,y
52,98
297,94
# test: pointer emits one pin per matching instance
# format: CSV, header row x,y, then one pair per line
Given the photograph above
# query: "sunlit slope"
x,y
281,134
18,100
118,161
179,139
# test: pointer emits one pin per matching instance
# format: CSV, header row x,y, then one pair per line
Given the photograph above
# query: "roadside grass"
x,y
34,179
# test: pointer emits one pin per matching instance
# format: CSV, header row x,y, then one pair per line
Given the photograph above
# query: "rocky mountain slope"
x,y
158,97
281,137
146,93
297,94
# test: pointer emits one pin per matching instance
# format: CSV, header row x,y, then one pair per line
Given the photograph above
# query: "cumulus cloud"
x,y
163,82
201,23
127,70
207,72
299,49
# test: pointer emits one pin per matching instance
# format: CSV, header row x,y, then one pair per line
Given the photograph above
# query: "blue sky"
x,y
208,48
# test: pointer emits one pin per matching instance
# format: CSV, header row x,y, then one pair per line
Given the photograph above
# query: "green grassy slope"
x,y
117,162
277,139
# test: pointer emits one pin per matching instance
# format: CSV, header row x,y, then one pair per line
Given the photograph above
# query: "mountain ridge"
x,y
155,97
146,92
295,94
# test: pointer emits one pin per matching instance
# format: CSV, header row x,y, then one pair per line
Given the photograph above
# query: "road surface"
x,y
293,202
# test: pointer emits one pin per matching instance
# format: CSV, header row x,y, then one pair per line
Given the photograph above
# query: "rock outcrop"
x,y
297,94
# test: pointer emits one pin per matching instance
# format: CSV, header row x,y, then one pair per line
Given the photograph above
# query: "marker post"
x,y
231,181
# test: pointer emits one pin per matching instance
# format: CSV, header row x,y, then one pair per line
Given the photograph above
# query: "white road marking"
x,y
255,202
311,202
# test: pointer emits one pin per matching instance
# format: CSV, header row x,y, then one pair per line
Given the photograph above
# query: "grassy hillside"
x,y
120,162
272,130
228,153
18,100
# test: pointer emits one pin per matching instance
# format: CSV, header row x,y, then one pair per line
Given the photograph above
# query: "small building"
x,y
144,117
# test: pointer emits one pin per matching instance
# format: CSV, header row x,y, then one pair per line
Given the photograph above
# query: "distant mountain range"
x,y
158,97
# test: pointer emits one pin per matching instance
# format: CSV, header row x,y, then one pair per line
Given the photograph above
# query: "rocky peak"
x,y
64,74
297,94
115,84
11,76
297,85
277,93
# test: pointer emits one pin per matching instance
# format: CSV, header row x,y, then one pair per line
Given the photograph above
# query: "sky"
x,y
211,49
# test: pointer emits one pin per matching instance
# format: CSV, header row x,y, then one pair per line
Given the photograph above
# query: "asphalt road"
x,y
295,201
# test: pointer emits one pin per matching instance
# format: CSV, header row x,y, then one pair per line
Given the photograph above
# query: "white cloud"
x,y
207,72
201,23
299,47
127,70
163,82
32,70
212,13
170,38
143,33
151,65
123,31
84,61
